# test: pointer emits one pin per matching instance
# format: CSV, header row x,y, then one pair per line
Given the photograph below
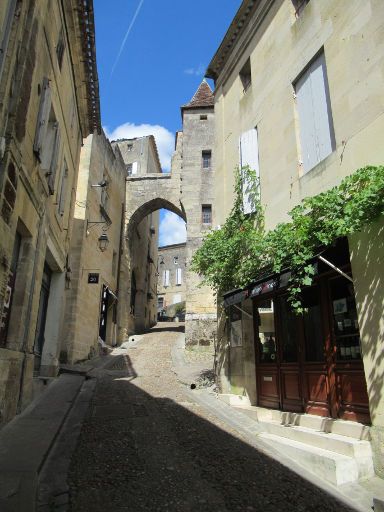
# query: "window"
x,y
129,169
178,276
203,118
206,211
206,159
129,147
47,137
176,260
249,156
166,278
245,75
63,190
5,28
299,6
160,302
315,117
60,48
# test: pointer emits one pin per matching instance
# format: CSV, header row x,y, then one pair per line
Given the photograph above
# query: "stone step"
x,y
332,467
328,441
351,429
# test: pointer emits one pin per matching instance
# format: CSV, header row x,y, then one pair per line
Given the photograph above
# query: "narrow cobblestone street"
x,y
147,446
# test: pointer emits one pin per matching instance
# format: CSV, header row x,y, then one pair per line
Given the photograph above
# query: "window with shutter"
x,y
315,118
42,118
5,29
54,127
63,190
178,276
166,278
249,156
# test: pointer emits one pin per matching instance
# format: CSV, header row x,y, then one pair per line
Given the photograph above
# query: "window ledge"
x,y
320,167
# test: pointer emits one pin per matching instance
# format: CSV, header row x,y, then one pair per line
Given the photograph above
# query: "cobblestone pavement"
x,y
146,445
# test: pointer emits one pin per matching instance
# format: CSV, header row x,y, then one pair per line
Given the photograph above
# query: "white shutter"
x,y
314,114
134,168
320,106
54,158
178,276
63,191
43,117
249,155
166,278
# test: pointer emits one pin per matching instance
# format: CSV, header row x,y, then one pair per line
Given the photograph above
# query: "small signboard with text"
x,y
93,278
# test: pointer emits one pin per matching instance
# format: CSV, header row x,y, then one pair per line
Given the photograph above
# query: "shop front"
x,y
311,362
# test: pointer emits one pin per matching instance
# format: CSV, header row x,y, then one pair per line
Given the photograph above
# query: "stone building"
x,y
171,283
141,160
197,162
49,102
95,251
298,97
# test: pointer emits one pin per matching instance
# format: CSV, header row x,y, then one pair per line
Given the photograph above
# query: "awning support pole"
x,y
335,268
242,310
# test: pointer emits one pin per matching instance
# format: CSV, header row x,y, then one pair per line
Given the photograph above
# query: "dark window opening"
x,y
60,48
203,118
206,211
206,159
245,75
299,6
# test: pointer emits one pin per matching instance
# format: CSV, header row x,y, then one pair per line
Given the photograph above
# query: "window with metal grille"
x,y
206,214
206,159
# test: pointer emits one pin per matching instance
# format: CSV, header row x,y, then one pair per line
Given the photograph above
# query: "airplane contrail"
x,y
126,36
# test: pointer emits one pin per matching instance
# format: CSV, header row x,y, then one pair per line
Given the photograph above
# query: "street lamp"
x,y
103,242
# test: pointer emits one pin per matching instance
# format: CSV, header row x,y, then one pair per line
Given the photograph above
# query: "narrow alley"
x,y
147,445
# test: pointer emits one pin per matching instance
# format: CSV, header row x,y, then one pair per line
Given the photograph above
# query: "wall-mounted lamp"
x,y
103,242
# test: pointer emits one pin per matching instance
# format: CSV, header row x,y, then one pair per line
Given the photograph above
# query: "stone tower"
x,y
197,198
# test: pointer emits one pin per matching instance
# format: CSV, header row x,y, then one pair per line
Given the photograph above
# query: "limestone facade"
x,y
49,91
171,284
139,280
92,299
268,58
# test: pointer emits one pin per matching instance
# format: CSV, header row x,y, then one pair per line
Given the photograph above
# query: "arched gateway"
x,y
187,191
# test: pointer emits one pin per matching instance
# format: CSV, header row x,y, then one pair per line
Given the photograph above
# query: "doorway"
x,y
42,316
312,362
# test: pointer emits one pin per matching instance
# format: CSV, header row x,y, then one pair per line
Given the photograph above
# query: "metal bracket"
x,y
335,268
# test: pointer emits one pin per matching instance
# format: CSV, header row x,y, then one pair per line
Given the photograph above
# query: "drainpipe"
x,y
29,308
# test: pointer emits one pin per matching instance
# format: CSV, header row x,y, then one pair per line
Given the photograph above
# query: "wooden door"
x,y
267,370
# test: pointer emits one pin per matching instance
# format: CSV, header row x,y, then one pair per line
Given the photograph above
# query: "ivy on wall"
x,y
241,250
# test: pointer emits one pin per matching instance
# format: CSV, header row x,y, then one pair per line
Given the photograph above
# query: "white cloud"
x,y
165,140
172,229
198,71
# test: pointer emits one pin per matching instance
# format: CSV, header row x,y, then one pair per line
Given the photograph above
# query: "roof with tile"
x,y
203,97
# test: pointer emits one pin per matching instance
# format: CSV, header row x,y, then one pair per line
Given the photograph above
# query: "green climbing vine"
x,y
234,255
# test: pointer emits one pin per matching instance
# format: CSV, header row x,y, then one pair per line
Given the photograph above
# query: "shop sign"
x,y
236,298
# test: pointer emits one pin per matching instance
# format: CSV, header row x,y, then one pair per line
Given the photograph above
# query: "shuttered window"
x,y
166,278
315,118
63,190
178,276
6,20
249,156
42,118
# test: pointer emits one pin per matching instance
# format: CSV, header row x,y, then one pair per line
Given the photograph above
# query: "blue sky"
x,y
151,56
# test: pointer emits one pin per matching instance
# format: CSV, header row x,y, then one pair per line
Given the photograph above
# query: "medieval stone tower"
x,y
196,160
